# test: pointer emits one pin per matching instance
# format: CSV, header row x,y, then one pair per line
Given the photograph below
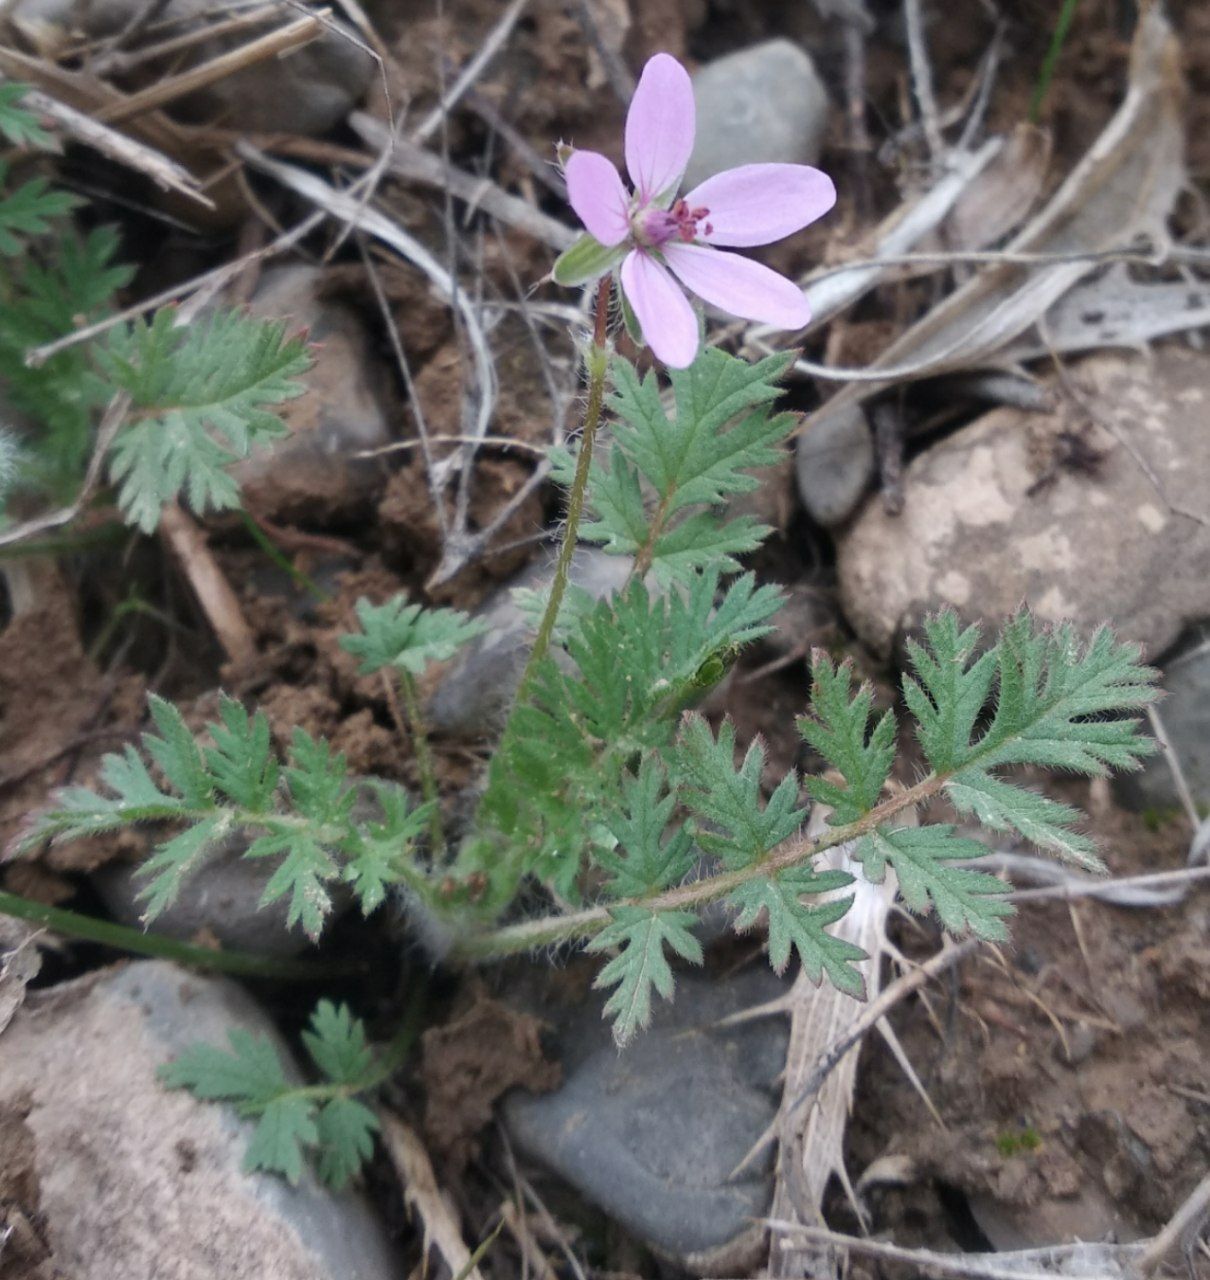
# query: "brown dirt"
x,y
469,1062
58,714
1069,1070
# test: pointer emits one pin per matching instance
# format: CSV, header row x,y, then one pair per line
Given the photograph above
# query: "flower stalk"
x,y
597,369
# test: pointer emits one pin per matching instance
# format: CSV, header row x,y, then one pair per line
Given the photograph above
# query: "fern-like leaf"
x,y
641,966
202,397
408,636
839,729
965,900
803,926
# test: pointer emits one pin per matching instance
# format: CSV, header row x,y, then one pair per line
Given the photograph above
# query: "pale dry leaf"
x,y
811,1139
1123,188
1004,194
20,961
422,1193
1116,310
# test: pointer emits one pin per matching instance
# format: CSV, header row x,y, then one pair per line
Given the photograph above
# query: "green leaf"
x,y
53,289
379,853
839,729
641,965
657,491
345,1130
645,862
587,259
951,690
1054,699
241,761
17,123
177,754
304,870
175,859
285,1127
201,396
637,661
318,781
792,923
337,1043
964,900
30,210
696,458
1001,806
731,821
409,636
291,1118
250,1072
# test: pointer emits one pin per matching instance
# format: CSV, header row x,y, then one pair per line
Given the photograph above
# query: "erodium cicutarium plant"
x,y
611,812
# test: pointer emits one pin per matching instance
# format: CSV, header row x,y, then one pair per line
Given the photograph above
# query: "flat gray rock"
x,y
1185,712
834,464
1054,511
140,1181
761,104
476,691
313,473
652,1133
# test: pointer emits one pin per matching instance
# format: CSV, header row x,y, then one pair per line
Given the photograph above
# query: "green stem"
x,y
424,757
518,938
158,945
598,366
1051,61
283,562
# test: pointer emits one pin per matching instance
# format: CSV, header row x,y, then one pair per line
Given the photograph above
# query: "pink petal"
x,y
667,316
595,192
760,203
659,127
739,285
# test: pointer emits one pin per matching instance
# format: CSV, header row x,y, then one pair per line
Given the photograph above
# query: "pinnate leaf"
x,y
641,965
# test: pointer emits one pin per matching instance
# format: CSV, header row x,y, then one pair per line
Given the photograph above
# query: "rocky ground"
x,y
1056,454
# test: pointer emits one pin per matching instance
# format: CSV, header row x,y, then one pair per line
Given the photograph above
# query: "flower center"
x,y
655,227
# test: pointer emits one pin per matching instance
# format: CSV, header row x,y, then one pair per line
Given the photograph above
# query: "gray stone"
x,y
653,1133
761,104
478,688
137,1180
308,90
1185,712
313,474
835,464
1053,510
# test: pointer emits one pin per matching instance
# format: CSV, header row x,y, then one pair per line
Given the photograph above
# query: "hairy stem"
x,y
642,562
424,757
598,366
530,934
140,942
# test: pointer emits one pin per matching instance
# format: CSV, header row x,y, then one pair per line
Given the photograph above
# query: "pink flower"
x,y
754,204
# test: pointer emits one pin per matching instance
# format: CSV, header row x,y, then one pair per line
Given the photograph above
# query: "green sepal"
x,y
586,260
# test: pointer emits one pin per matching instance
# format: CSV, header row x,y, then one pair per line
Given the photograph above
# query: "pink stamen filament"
x,y
655,227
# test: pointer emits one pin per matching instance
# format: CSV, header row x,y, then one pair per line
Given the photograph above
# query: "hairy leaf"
x,y
641,965
202,397
965,900
839,729
793,923
398,634
731,820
